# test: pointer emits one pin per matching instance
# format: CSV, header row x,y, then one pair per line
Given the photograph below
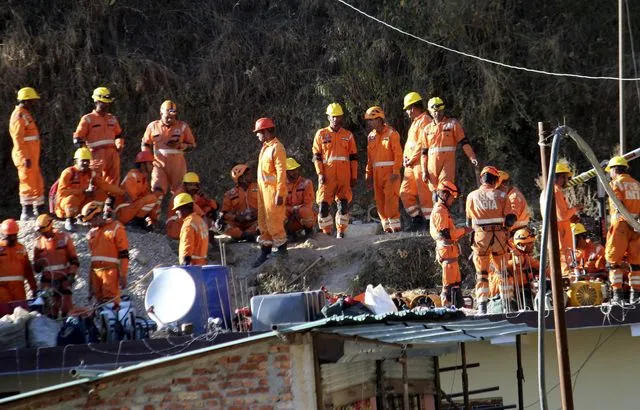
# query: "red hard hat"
x,y
9,227
264,123
144,156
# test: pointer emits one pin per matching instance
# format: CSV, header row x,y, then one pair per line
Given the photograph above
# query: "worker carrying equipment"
x,y
204,206
439,142
384,160
194,234
300,212
447,235
138,203
239,214
336,162
26,153
79,185
14,264
272,191
109,248
416,197
517,200
56,259
623,243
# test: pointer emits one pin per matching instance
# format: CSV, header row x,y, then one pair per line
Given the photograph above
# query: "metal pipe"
x,y
476,391
519,372
405,382
436,376
465,376
542,285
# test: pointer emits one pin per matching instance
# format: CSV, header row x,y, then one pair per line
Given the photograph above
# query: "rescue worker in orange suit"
x,y
301,214
518,202
439,142
272,191
138,203
522,266
589,256
14,264
79,185
194,233
55,257
100,131
109,248
169,138
447,235
489,214
239,215
414,192
384,160
203,205
336,161
26,153
622,240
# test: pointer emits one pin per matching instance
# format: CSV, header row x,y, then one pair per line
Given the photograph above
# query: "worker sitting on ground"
x,y
79,185
194,233
589,256
14,265
239,216
55,257
138,204
203,205
301,214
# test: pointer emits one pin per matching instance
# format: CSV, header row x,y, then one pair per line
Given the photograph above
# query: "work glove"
x,y
27,163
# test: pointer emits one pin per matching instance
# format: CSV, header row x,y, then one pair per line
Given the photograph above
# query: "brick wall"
x,y
258,376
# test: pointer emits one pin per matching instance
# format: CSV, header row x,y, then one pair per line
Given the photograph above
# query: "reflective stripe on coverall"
x,y
447,251
414,192
72,183
99,132
299,204
14,269
26,146
194,240
272,182
236,202
441,139
142,203
108,244
202,206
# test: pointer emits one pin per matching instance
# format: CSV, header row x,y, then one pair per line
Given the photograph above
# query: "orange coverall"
x,y
564,213
414,192
14,269
299,204
238,202
202,205
519,208
441,140
622,240
72,183
169,165
591,257
446,235
336,157
142,202
526,269
99,132
109,248
272,182
384,155
486,208
26,146
194,240
57,259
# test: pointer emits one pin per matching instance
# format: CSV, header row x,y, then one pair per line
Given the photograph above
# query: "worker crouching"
x,y
301,214
14,264
204,206
194,233
137,203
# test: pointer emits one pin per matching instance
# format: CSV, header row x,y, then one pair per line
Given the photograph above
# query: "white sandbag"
x,y
13,333
378,300
42,331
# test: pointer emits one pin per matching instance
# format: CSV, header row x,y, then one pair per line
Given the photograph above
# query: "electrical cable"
x,y
485,60
633,51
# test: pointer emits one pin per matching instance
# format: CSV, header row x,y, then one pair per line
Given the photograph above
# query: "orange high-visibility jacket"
x,y
443,136
98,130
442,225
519,208
74,182
383,151
15,265
56,254
627,190
271,167
25,135
158,135
109,247
413,147
205,203
238,201
591,257
300,194
135,184
335,154
563,211
487,206
194,240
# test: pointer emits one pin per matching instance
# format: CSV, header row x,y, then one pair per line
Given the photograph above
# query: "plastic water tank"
x,y
296,307
216,280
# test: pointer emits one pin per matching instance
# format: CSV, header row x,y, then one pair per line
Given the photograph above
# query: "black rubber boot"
x,y
308,232
26,212
482,308
416,223
247,237
282,251
264,254
618,296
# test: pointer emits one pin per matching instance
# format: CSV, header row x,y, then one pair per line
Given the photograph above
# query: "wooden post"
x,y
436,376
519,372
318,374
465,377
405,382
381,403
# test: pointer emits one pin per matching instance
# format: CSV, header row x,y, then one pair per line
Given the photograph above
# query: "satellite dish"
x,y
171,295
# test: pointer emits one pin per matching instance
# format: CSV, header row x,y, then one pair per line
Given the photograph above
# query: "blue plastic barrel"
x,y
216,279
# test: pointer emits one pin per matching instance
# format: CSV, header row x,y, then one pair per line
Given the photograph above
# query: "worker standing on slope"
x,y
203,205
518,202
26,153
414,192
489,214
447,235
623,243
239,215
336,161
109,248
272,191
14,264
194,233
439,142
300,202
384,160
55,257
138,202
100,131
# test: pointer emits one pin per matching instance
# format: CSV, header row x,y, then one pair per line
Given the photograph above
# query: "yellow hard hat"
x,y
410,99
82,153
617,161
502,177
578,228
523,236
334,110
181,200
27,93
373,113
102,94
44,223
191,178
292,164
90,210
436,104
169,105
563,168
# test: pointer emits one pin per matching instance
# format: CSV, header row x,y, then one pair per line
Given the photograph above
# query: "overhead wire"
x,y
633,51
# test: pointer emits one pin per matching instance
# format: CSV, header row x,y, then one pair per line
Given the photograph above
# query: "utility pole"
x,y
620,74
